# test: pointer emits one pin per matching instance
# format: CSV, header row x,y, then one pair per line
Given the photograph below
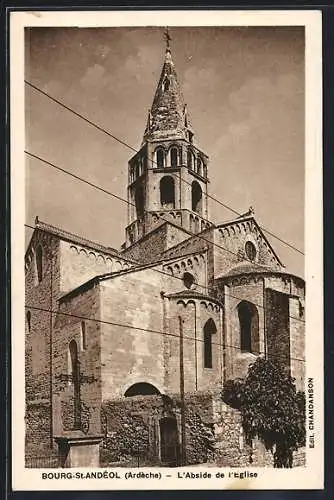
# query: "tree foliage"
x,y
271,408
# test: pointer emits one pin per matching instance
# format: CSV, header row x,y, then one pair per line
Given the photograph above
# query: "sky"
x,y
244,89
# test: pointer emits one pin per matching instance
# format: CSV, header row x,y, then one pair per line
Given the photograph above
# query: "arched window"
x,y
75,379
137,168
83,335
209,330
174,157
139,201
250,250
196,197
39,263
167,192
28,316
141,389
188,280
249,327
190,159
199,166
132,173
160,158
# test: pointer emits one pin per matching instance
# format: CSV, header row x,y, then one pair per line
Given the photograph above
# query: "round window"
x,y
188,280
250,251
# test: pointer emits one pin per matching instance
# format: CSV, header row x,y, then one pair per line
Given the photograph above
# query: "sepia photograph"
x,y
164,204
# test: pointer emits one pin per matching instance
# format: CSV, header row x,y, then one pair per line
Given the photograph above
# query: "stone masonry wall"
x,y
131,427
75,321
278,327
195,264
213,432
79,264
250,290
229,248
41,298
297,342
149,247
194,313
134,352
232,450
294,287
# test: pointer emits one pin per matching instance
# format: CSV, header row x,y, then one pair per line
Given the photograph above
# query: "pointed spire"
x,y
168,117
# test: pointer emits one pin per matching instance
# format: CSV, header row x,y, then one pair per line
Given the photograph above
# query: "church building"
x,y
127,350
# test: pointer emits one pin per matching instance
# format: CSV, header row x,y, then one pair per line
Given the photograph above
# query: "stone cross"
x,y
167,37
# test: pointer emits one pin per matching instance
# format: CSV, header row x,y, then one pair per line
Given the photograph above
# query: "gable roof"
x,y
72,238
252,219
114,274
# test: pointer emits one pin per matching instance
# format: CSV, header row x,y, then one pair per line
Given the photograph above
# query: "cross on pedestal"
x,y
167,37
77,379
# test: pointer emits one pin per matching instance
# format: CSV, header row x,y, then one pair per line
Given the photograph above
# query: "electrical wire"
x,y
163,262
124,143
138,328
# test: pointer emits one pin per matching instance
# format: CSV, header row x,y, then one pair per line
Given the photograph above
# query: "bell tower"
x,y
168,177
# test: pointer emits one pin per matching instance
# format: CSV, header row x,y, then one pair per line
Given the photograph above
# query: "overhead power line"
x,y
165,273
124,143
138,328
95,186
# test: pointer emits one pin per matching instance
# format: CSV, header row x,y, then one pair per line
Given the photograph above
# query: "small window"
x,y
209,330
139,201
28,316
132,174
190,159
250,250
199,166
83,335
249,327
160,155
39,263
188,280
196,198
167,193
173,157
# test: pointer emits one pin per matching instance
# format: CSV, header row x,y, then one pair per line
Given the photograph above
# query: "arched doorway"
x,y
141,389
169,442
249,327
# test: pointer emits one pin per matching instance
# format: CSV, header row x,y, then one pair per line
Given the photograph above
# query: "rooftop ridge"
x,y
43,226
250,217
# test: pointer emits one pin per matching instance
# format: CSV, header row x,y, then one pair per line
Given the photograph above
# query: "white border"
x,y
310,477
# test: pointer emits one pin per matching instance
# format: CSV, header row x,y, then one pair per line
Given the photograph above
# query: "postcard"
x,y
166,200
